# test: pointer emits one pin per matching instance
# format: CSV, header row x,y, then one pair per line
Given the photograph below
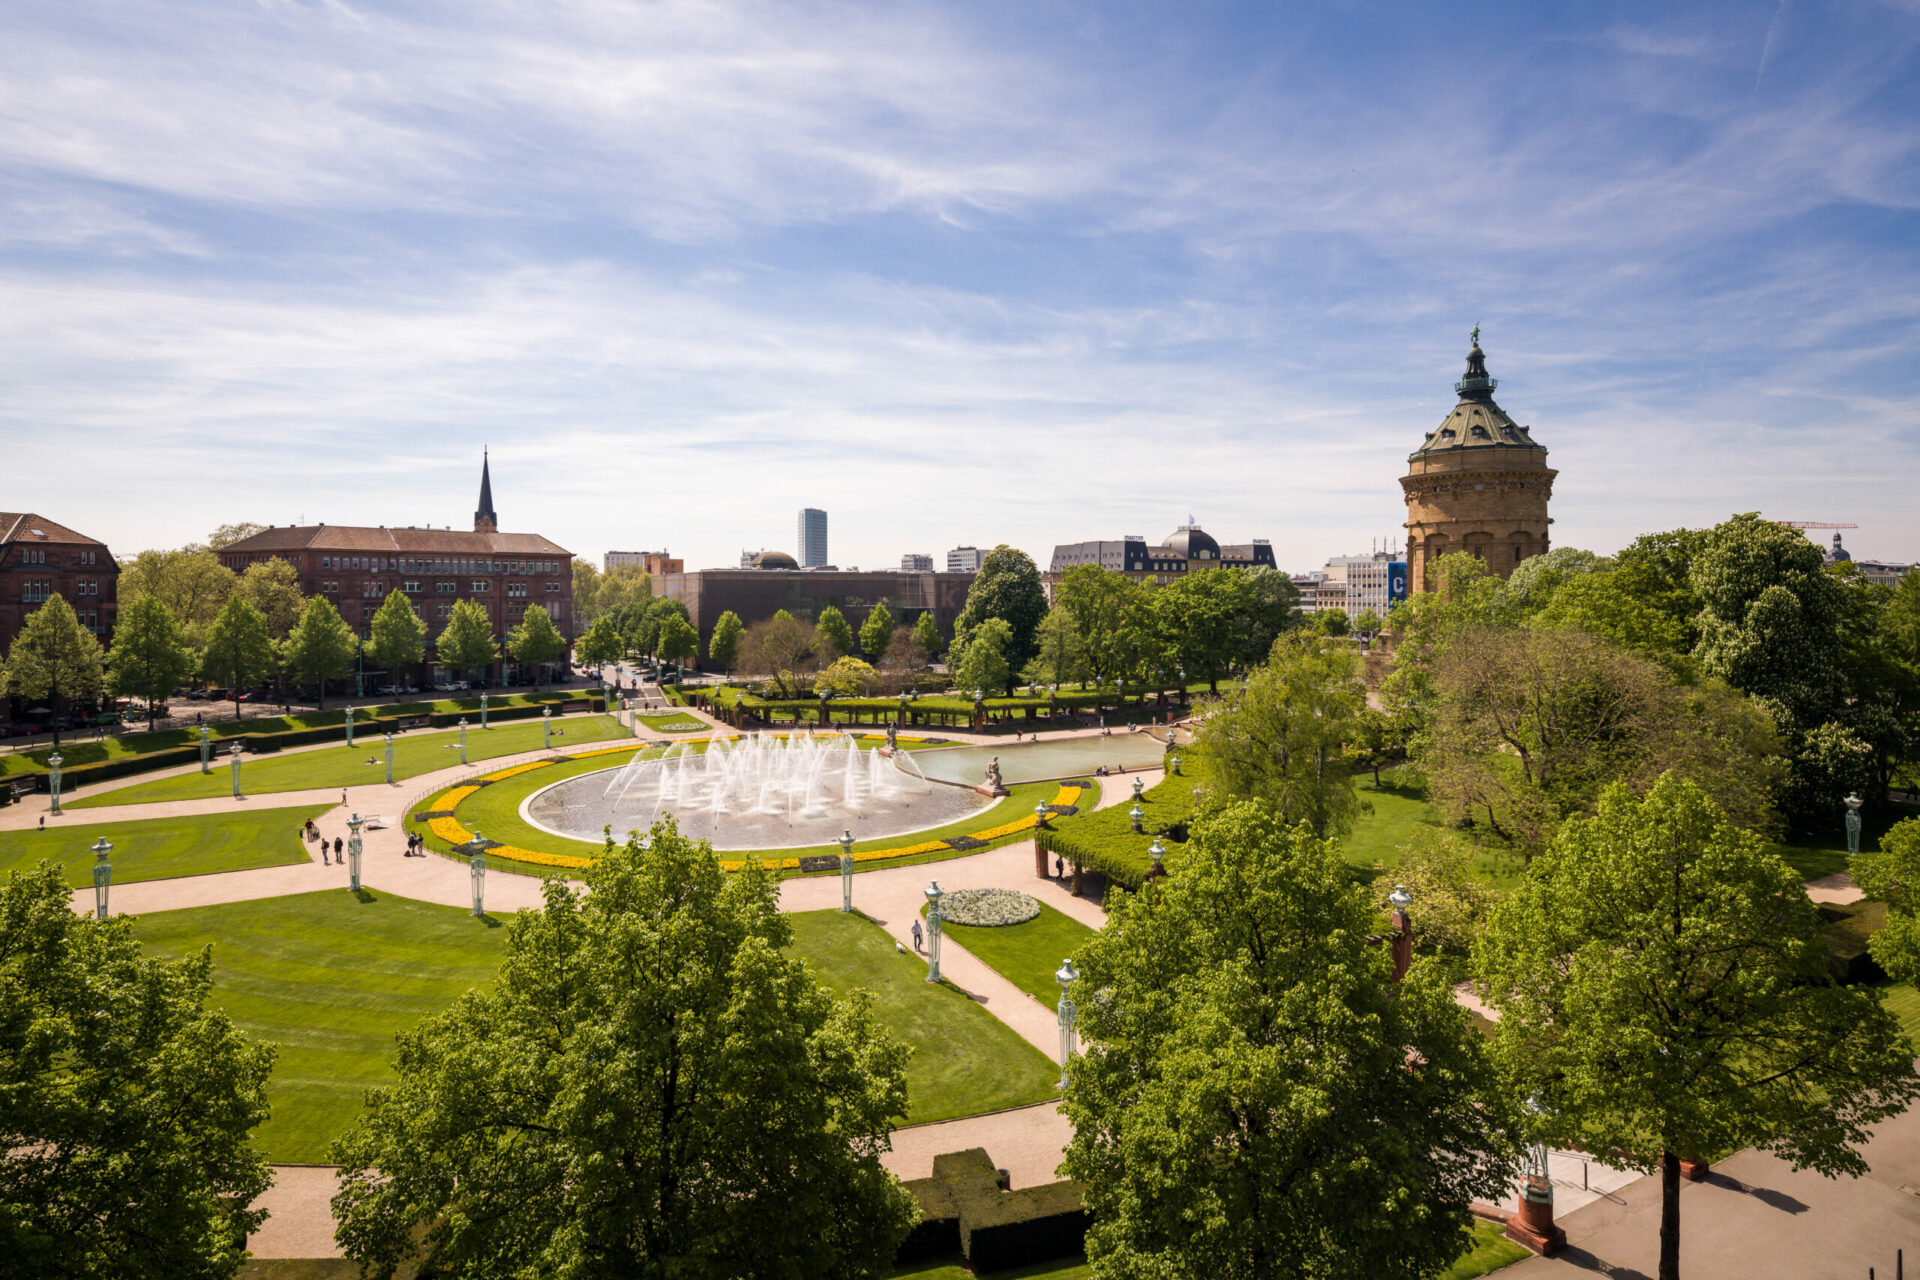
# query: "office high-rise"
x,y
813,538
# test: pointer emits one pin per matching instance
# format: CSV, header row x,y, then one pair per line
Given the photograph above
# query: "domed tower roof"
x,y
1838,554
1190,541
1476,423
775,560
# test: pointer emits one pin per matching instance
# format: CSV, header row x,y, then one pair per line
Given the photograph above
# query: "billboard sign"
x,y
1396,582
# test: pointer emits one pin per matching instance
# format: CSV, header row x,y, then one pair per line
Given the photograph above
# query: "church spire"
x,y
484,519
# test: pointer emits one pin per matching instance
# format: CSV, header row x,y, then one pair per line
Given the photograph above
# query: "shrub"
x,y
1104,841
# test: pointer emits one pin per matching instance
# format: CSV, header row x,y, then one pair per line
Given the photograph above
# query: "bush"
x,y
1104,841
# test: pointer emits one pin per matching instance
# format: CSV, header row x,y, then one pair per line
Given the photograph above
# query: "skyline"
x,y
957,275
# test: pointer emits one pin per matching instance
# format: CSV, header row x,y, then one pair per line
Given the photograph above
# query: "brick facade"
x,y
39,559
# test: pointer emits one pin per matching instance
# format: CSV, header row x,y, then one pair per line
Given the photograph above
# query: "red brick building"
x,y
355,567
38,559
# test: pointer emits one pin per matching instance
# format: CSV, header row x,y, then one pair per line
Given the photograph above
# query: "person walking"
x,y
916,935
339,850
343,797
324,860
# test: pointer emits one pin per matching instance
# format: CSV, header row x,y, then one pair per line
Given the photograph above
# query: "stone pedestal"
x,y
1532,1225
1039,860
1694,1170
1402,944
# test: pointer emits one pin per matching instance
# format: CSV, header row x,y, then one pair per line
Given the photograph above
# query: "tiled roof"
x,y
25,526
342,537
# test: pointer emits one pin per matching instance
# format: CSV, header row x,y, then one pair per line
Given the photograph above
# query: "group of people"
x,y
335,851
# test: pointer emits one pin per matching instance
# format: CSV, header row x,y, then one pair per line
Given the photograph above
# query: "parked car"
x,y
248,696
460,686
198,695
387,688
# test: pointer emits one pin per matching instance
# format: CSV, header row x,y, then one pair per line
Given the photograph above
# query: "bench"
x,y
415,722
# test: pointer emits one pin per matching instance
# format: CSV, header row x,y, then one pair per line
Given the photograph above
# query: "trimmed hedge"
x,y
1104,841
963,1210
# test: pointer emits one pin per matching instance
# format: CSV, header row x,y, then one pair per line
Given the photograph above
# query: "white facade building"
x,y
812,542
965,560
912,563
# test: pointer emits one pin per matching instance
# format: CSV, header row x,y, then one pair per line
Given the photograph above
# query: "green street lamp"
x,y
233,762
1853,803
389,757
846,869
1066,976
477,871
1135,815
53,780
1040,815
934,920
353,853
206,749
463,739
483,715
349,724
102,877
546,728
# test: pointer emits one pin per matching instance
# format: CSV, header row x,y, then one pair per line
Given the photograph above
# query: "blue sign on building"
x,y
1396,582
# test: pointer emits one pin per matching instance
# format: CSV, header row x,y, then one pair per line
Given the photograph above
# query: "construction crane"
x,y
1815,524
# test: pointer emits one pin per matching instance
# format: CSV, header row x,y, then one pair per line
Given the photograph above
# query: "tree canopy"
x,y
273,587
1247,1103
535,642
1007,587
983,665
397,637
239,653
927,632
321,647
54,657
190,581
150,657
723,646
876,633
1891,873
654,1086
833,633
602,645
466,642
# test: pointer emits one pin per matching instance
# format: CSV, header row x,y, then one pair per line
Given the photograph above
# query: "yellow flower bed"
x,y
503,774
450,830
454,798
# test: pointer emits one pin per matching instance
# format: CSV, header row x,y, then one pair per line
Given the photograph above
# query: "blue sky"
x,y
959,274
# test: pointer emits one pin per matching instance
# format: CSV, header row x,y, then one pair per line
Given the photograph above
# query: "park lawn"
x,y
1825,852
1027,955
161,848
1065,1269
1902,1000
965,1061
330,978
674,723
1379,839
344,766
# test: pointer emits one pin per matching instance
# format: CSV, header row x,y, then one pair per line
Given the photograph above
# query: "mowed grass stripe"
x,y
344,766
1027,955
161,848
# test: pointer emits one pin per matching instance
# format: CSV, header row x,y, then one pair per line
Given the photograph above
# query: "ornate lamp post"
x,y
846,869
349,724
1533,1225
53,780
546,728
1853,825
389,757
1040,815
483,715
206,749
233,762
1173,763
1158,852
102,877
463,739
1402,931
934,919
477,871
1066,976
1135,815
353,853
1138,786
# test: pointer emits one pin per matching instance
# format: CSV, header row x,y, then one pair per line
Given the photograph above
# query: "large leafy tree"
x,y
1891,873
228,534
535,642
834,632
1607,605
602,646
876,633
190,581
1535,579
781,648
1257,1097
151,657
678,641
927,631
1203,612
54,657
983,666
1063,655
1007,587
623,585
239,653
586,591
321,647
127,1103
723,646
1271,608
397,636
466,643
1113,615
654,1086
273,587
1281,739
1663,990
1657,569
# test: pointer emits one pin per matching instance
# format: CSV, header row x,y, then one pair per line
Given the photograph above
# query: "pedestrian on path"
x,y
343,797
916,935
323,855
339,847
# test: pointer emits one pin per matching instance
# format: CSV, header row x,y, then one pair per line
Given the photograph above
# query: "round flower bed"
x,y
988,908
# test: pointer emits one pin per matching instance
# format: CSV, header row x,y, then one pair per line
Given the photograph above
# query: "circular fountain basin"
x,y
1038,761
761,793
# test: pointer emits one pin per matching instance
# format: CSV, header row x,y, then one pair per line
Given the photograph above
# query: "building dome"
x,y
775,560
1839,554
1476,422
1192,543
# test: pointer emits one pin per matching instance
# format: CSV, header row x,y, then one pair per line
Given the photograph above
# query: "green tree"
x,y
678,641
1063,656
723,646
1112,613
1369,623
273,587
1657,569
586,592
150,657
1281,739
1272,608
876,633
602,646
1332,622
536,643
322,646
834,633
228,534
983,664
1382,738
587,1113
1007,587
1245,1106
846,678
191,582
466,643
54,657
780,648
1453,898
1203,612
1663,990
1891,874
397,637
625,584
1535,579
927,632
128,1101
239,653
1607,606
